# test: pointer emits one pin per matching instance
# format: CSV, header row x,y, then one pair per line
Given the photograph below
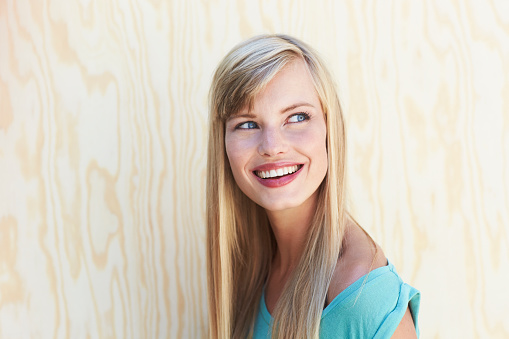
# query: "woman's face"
x,y
277,151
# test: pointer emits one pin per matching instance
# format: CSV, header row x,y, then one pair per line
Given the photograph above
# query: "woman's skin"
x,y
285,129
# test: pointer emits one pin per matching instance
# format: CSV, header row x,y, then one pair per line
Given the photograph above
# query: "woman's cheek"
x,y
237,152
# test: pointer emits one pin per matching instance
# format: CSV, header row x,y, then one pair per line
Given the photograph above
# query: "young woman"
x,y
285,260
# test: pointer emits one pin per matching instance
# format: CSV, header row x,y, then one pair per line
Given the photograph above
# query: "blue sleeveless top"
x,y
371,308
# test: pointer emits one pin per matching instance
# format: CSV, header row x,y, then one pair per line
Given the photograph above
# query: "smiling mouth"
x,y
278,173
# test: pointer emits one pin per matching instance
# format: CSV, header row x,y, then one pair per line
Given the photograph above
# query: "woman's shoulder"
x,y
372,306
359,256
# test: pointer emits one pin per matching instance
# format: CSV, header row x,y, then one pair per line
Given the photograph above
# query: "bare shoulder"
x,y
360,255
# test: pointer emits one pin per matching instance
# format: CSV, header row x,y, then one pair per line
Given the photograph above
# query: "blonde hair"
x,y
240,242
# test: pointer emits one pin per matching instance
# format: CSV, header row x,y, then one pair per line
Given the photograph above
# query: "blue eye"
x,y
298,117
247,125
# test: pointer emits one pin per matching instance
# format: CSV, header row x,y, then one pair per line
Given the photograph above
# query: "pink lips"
x,y
277,181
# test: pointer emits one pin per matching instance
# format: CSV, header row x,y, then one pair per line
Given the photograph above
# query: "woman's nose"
x,y
272,142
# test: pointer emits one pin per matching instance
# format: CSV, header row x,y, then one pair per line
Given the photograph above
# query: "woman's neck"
x,y
291,229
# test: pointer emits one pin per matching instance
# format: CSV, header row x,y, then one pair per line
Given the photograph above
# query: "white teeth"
x,y
277,172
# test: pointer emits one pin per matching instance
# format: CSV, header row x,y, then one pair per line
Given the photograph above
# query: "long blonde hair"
x,y
240,242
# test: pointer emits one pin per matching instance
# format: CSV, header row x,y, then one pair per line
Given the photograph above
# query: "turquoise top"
x,y
366,309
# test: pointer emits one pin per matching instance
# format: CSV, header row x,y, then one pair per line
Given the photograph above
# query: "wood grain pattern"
x,y
103,123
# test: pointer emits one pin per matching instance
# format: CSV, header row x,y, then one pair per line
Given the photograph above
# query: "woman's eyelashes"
x,y
294,118
247,125
299,117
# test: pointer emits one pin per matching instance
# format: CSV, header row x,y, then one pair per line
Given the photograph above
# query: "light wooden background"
x,y
103,118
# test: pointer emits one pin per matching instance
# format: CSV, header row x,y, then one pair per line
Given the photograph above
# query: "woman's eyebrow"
x,y
248,115
300,104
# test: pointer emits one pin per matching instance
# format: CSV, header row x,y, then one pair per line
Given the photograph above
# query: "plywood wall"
x,y
103,118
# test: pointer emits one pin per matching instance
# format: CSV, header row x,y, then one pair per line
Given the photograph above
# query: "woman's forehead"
x,y
290,89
